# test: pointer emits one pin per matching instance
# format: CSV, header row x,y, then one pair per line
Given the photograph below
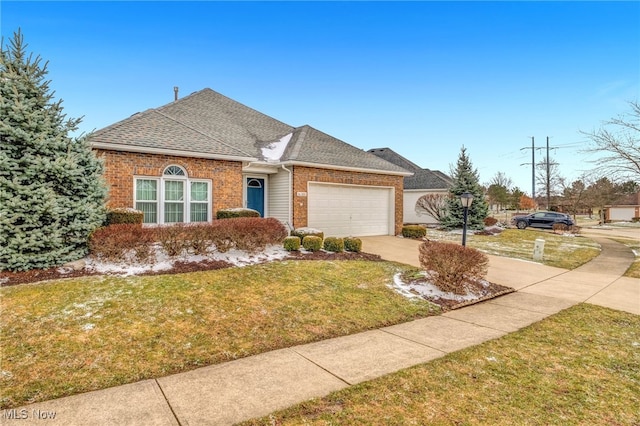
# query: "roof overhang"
x,y
260,167
346,168
164,151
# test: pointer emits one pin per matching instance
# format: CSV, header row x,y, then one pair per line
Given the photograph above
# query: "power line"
x,y
533,148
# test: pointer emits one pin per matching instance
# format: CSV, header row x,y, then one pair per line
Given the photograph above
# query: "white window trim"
x,y
160,202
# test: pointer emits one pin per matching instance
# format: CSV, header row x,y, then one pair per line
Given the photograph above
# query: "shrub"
x,y
451,267
124,215
115,242
353,244
292,243
303,232
333,244
635,219
172,238
312,243
253,233
235,213
490,221
414,231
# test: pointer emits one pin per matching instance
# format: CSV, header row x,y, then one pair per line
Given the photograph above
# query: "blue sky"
x,y
422,78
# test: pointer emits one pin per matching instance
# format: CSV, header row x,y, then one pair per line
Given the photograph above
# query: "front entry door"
x,y
255,195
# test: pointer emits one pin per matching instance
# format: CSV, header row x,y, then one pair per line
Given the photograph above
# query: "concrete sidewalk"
x,y
258,385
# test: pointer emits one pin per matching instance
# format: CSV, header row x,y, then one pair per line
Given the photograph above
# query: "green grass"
x,y
579,367
634,269
562,251
64,337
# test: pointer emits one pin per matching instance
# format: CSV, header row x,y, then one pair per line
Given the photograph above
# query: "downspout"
x,y
290,203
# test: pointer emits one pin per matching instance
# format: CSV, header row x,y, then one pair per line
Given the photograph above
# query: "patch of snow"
x,y
307,231
163,262
426,289
274,150
491,359
88,326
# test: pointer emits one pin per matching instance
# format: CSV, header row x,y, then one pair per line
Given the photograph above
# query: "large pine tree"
x,y
51,188
465,179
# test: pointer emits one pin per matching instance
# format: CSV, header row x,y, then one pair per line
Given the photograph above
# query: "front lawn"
x,y
578,367
69,336
561,251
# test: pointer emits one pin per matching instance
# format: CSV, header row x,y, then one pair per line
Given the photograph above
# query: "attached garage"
x,y
351,210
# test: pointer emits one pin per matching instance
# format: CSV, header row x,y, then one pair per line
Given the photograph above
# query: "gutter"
x,y
165,151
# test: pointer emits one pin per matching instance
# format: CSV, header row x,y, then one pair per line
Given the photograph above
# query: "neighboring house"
x,y
624,210
185,160
423,182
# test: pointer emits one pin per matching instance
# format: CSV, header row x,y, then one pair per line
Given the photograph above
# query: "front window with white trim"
x,y
173,198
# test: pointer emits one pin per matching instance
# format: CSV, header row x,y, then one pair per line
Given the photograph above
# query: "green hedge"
x,y
414,231
234,213
124,215
334,244
292,243
353,244
312,243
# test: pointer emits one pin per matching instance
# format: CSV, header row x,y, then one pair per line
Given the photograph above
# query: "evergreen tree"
x,y
51,188
465,179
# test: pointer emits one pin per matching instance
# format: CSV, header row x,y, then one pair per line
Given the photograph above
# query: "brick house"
x,y
423,182
185,160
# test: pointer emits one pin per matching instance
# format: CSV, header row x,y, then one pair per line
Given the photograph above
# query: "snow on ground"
x,y
163,262
429,290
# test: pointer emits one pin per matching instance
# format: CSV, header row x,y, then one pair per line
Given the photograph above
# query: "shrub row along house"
x,y
185,160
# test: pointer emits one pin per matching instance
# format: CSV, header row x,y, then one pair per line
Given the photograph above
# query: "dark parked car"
x,y
542,220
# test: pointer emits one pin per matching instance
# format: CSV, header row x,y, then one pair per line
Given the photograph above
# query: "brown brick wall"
x,y
303,175
120,167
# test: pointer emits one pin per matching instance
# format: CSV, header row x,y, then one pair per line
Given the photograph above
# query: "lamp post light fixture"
x,y
466,198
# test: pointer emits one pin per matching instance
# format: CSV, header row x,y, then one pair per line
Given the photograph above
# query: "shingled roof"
x,y
422,178
209,125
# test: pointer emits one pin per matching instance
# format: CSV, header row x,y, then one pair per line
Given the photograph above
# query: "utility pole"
x,y
548,176
533,168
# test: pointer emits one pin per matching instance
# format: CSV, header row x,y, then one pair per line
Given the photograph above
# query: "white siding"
x,y
409,215
279,202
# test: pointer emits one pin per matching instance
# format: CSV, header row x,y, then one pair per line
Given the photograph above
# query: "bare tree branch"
x,y
618,146
434,205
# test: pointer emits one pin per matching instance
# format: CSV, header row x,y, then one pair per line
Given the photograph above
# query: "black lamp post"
x,y
466,199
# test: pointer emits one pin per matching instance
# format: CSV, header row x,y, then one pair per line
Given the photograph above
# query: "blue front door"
x,y
255,195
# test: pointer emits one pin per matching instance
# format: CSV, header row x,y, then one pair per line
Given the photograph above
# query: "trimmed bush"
x,y
312,243
292,243
235,213
333,244
353,244
635,219
452,267
120,242
124,215
173,238
303,232
414,231
490,221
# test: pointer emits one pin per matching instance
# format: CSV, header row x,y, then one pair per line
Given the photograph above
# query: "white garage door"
x,y
350,210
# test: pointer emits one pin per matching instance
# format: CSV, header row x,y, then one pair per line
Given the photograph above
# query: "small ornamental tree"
x,y
51,188
465,179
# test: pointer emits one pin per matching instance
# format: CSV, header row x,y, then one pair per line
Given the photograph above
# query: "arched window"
x,y
173,198
254,183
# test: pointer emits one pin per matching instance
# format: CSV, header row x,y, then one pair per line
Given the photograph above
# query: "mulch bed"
x,y
13,278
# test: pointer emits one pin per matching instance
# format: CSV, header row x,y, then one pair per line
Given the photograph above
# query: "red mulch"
x,y
13,278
